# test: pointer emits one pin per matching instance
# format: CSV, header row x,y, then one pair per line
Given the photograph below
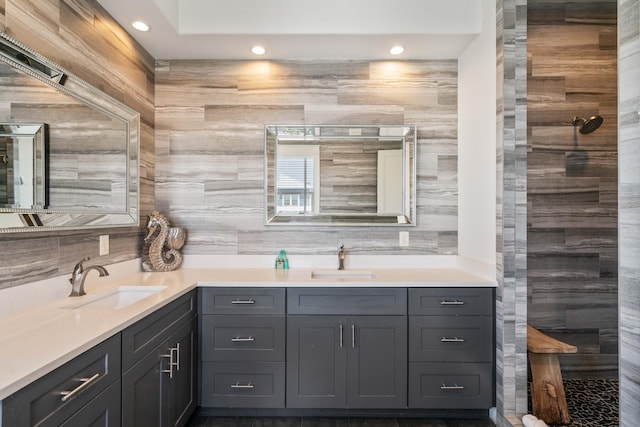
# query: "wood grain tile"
x,y
572,192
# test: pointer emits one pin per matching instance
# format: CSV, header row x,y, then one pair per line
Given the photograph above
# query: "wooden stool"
x,y
547,391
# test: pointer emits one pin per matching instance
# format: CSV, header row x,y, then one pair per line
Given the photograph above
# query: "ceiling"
x,y
301,29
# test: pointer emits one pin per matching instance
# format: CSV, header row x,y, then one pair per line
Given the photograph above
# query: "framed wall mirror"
x,y
340,175
68,152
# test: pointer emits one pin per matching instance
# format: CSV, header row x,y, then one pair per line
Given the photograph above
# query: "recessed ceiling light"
x,y
258,50
396,50
140,25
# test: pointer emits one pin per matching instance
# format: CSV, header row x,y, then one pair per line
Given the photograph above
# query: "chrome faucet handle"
x,y
76,274
78,267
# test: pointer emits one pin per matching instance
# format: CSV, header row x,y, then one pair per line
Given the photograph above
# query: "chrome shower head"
x,y
588,125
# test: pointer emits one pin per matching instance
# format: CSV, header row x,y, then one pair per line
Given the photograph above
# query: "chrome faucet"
x,y
341,256
79,275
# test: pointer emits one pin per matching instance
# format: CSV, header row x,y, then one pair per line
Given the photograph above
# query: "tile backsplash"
x,y
210,118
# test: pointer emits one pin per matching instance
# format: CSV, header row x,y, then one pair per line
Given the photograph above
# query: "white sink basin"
x,y
116,298
342,274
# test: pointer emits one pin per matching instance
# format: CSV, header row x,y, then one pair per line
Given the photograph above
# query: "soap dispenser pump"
x,y
282,262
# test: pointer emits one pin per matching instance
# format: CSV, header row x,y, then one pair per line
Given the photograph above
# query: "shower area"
x,y
572,175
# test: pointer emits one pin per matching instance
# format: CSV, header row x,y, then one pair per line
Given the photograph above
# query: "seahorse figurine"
x,y
162,244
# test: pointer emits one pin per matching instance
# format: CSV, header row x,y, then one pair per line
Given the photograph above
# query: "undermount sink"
x,y
117,298
342,274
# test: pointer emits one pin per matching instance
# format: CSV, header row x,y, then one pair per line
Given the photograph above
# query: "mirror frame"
x,y
71,85
316,133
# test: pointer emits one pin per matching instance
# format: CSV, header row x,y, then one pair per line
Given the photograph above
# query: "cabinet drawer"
x,y
451,301
359,301
450,385
53,398
243,338
102,411
143,336
256,301
451,338
243,384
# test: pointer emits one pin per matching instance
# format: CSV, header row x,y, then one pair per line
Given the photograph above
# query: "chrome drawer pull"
x,y
172,362
341,335
238,339
454,302
66,395
243,301
451,387
353,336
455,339
238,385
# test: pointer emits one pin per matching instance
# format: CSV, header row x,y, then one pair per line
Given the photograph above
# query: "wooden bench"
x,y
547,391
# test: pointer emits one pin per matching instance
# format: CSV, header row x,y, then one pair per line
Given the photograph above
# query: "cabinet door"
x,y
144,388
377,362
181,396
316,362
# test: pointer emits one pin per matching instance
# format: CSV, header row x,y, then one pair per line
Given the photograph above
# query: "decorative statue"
x,y
162,244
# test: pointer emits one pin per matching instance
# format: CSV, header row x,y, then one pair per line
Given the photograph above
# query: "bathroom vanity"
x,y
382,348
403,342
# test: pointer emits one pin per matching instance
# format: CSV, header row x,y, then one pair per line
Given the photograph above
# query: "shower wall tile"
x,y
83,38
210,153
629,217
511,209
572,190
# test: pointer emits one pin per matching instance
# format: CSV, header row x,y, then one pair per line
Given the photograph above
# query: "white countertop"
x,y
40,339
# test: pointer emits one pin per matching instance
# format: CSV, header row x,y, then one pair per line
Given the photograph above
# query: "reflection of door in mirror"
x,y
390,183
297,179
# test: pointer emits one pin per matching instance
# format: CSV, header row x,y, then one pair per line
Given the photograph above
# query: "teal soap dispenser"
x,y
282,262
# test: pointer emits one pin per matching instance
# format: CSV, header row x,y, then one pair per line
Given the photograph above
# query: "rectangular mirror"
x,y
340,175
68,151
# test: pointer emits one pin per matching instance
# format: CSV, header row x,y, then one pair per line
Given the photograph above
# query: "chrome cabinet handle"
x,y
66,395
353,336
341,335
247,386
243,301
172,362
177,356
248,339
454,339
451,387
452,302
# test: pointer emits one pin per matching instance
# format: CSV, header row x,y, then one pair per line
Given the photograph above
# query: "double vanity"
x,y
151,348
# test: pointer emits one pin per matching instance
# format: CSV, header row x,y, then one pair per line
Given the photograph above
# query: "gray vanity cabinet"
x,y
451,345
88,384
346,348
159,381
242,347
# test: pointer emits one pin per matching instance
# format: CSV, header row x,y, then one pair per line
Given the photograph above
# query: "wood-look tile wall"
x,y
629,206
511,211
83,38
572,181
210,118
